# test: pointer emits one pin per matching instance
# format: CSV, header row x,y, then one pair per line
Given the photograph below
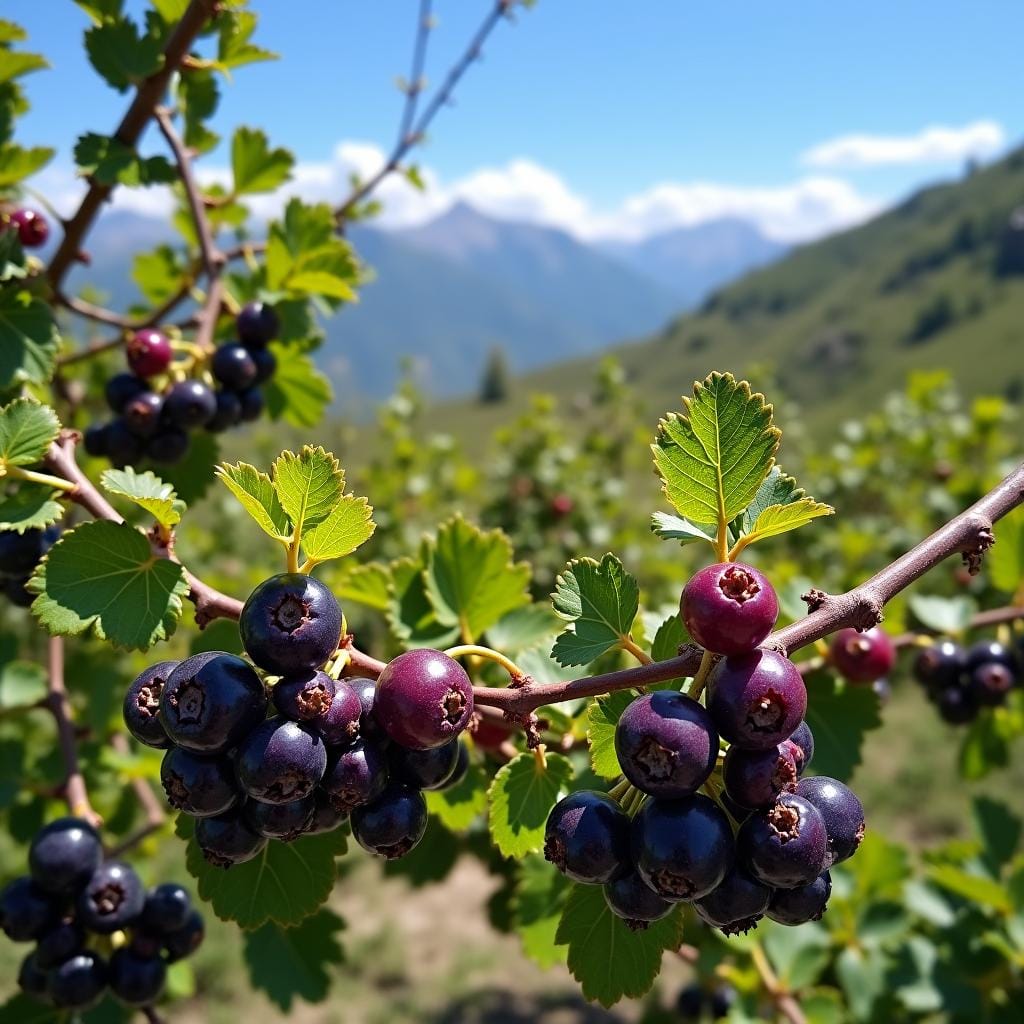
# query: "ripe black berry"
x,y
786,845
112,899
280,761
690,1003
666,744
252,404
366,691
78,983
210,701
754,778
393,824
95,440
285,821
340,725
991,682
957,705
32,227
227,840
142,705
189,404
632,899
803,740
356,776
228,414
587,837
141,414
291,623
461,769
56,945
123,447
940,665
196,784
841,811
187,939
425,769
26,911
803,903
148,352
756,700
862,657
168,446
134,979
20,552
736,904
122,388
266,364
326,818
167,909
64,855
424,699
257,324
722,1000
234,367
729,608
18,593
32,978
305,697
988,652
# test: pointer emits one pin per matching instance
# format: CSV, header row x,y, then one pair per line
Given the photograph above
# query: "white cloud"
x,y
935,144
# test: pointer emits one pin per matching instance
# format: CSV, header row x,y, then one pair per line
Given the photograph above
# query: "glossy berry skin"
x,y
210,701
252,404
786,845
666,744
990,682
95,440
228,414
682,848
957,705
200,785
32,978
122,388
756,700
148,352
167,909
736,904
326,818
234,367
755,778
189,404
227,839
802,904
690,1003
842,812
56,945
33,228
632,899
280,821
26,911
142,705
18,593
862,657
340,725
112,899
78,983
304,697
187,939
136,980
280,761
425,769
987,652
393,824
64,854
424,699
587,837
266,364
141,414
461,769
20,552
940,665
257,324
366,691
803,739
356,776
290,623
729,608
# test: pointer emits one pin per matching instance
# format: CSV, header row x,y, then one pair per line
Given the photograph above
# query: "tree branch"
x,y
414,87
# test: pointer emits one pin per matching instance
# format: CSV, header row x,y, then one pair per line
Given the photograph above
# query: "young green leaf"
x,y
27,429
29,339
255,166
308,486
255,492
147,491
109,161
30,507
943,614
368,584
521,797
840,716
458,807
20,162
777,488
600,601
410,613
540,895
670,527
15,63
234,47
602,717
348,525
776,519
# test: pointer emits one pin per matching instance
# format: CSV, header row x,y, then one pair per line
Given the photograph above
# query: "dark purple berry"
x,y
200,785
291,623
142,705
587,837
148,352
78,983
803,903
991,682
64,854
257,324
227,840
280,761
122,388
95,440
862,657
167,909
690,1003
666,744
234,367
326,817
304,697
366,691
786,845
940,665
136,980
356,776
461,769
252,404
756,700
842,812
957,705
189,404
721,1001
266,364
123,447
112,899
33,228
32,978
228,414
340,725
425,769
56,945
632,899
729,608
393,824
736,904
20,552
754,778
26,911
187,939
988,652
737,812
424,699
210,701
167,447
141,415
803,740
285,821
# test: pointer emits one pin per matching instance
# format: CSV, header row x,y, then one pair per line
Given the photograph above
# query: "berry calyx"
x,y
785,845
356,776
755,778
729,608
148,352
142,705
64,855
393,824
736,904
587,837
304,697
112,899
862,657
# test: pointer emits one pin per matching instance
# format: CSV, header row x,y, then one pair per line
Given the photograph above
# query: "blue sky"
x,y
608,117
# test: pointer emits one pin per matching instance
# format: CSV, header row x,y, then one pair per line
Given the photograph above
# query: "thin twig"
x,y
414,87
784,1002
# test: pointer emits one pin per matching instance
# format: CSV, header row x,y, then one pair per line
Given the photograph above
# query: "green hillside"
x,y
937,282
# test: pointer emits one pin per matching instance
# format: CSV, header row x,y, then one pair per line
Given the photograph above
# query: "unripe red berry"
x,y
862,657
729,608
148,352
32,227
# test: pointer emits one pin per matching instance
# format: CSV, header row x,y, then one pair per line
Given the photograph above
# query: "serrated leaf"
x,y
1006,560
256,494
22,1009
600,601
521,797
459,806
308,485
108,161
121,55
298,393
254,165
410,613
540,895
602,717
777,488
943,614
18,162
999,829
234,47
367,585
103,578
604,956
29,339
670,636
15,63
840,716
290,963
285,884
147,491
30,507
27,429
778,519
986,744
670,527
349,525
471,580
523,627
713,458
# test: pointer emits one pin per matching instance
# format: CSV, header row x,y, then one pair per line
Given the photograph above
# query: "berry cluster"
x,y
72,901
155,405
330,750
20,553
680,844
961,682
32,227
693,1001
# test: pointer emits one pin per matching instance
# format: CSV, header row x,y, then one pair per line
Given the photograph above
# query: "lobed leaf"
x,y
121,55
602,717
347,527
460,805
147,491
29,339
669,527
255,492
30,507
540,896
20,162
256,167
308,486
840,716
27,429
298,393
521,797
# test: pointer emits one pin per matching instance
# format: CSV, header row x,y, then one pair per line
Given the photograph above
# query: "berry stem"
x,y
784,1002
628,644
696,687
31,476
478,651
620,789
293,555
540,757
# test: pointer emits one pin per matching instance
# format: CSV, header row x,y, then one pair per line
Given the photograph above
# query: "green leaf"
x,y
121,55
840,716
290,963
255,492
879,870
29,339
255,166
976,888
15,63
103,578
159,274
714,457
1006,560
999,828
347,527
410,614
862,976
943,614
110,162
101,10
308,485
27,429
11,32
30,507
523,627
600,601
285,884
12,256
777,519
298,393
777,488
367,585
670,527
322,282
18,163
22,684
602,717
459,806
604,956
192,477
797,954
147,491
986,744
234,47
671,635
540,895
521,797
471,580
